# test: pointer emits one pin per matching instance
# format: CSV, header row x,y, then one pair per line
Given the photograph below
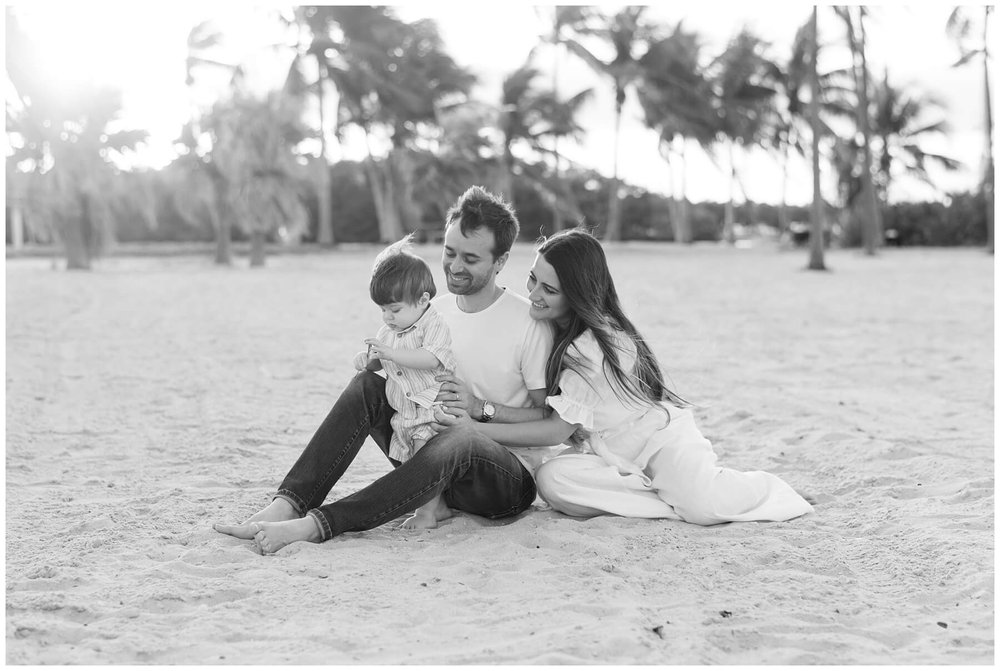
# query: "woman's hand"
x,y
579,438
377,350
455,394
445,418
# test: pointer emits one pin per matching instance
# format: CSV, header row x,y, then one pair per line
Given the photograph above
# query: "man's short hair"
x,y
400,276
478,208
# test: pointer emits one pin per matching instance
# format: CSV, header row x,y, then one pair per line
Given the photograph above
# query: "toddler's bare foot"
x,y
278,510
428,515
269,537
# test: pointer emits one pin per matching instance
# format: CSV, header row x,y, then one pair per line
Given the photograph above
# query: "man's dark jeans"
x,y
474,473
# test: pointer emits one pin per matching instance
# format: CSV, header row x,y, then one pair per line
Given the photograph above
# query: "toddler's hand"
x,y
360,360
377,350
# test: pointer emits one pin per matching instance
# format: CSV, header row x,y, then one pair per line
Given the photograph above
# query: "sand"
x,y
154,396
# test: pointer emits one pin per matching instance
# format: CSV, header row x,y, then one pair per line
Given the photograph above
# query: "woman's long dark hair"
x,y
582,268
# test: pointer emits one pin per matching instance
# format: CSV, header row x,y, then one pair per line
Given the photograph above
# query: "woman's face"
x,y
545,293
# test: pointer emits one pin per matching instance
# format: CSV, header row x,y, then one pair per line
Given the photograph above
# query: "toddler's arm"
x,y
406,358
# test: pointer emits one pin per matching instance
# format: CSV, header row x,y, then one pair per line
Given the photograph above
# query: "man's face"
x,y
468,260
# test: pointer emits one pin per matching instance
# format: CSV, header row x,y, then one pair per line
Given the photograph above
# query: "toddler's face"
x,y
401,316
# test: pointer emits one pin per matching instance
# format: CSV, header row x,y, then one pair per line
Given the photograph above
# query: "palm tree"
x,y
205,187
960,25
64,143
872,226
316,25
787,132
627,34
792,116
816,261
564,18
675,102
392,76
463,153
899,123
530,117
742,86
252,150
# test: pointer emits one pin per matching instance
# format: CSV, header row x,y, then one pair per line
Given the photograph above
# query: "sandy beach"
x,y
154,396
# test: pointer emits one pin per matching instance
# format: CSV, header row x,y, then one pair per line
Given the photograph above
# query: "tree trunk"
x,y
257,249
401,174
728,225
77,256
869,202
614,230
75,242
988,184
684,219
389,229
324,234
223,238
78,237
816,232
557,212
988,191
558,223
16,226
783,206
557,215
673,208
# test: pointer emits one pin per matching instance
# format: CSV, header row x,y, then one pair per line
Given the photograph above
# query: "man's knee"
x,y
365,382
455,441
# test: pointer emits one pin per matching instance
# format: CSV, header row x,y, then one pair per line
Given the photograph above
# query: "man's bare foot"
x,y
428,515
269,537
278,510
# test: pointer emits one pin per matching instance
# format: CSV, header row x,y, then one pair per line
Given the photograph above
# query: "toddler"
x,y
412,346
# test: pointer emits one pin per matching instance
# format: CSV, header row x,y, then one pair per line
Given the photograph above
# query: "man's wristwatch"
x,y
489,412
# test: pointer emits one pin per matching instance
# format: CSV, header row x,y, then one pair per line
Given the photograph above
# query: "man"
x,y
501,354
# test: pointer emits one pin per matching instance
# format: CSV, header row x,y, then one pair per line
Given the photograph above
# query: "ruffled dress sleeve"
x,y
579,391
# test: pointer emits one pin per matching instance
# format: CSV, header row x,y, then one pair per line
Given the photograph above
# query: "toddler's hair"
x,y
399,275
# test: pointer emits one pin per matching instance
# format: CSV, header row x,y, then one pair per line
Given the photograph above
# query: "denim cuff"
x,y
325,532
298,504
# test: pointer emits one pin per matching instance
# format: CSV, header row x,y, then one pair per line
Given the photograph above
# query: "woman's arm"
x,y
552,430
456,395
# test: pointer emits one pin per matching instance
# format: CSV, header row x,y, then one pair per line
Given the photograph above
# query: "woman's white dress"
x,y
636,463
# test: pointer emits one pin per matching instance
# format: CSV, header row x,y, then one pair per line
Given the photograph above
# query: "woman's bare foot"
x,y
269,537
428,515
278,510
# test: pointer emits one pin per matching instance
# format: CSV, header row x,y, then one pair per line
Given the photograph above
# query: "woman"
x,y
636,450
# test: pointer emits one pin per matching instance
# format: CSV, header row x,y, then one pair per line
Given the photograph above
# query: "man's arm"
x,y
552,430
455,394
506,414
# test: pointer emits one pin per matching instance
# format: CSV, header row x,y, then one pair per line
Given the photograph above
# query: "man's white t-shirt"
x,y
501,353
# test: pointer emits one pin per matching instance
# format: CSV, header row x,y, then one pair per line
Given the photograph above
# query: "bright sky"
x,y
140,47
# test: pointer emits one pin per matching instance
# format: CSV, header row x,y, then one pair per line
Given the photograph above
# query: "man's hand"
x,y
456,395
448,418
377,350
